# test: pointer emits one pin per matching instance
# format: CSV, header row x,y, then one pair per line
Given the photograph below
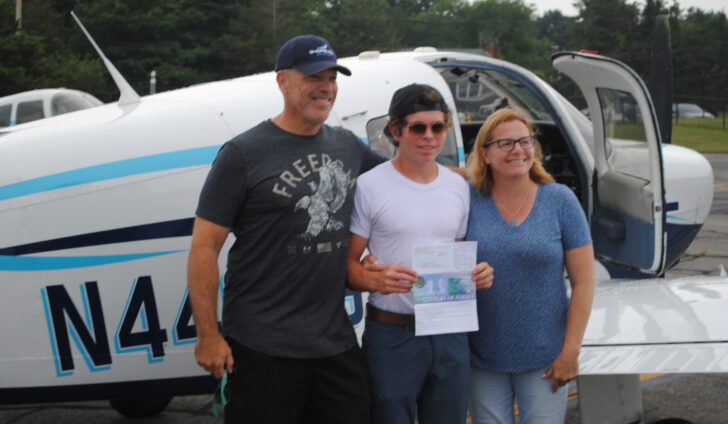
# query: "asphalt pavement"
x,y
696,398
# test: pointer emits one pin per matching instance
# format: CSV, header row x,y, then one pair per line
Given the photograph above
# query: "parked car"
x,y
38,104
690,110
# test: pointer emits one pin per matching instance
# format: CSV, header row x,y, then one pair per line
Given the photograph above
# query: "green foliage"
x,y
702,39
19,52
558,29
356,25
609,26
39,56
511,26
189,41
178,38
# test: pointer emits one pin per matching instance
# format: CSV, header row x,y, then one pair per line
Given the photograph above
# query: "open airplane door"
x,y
627,220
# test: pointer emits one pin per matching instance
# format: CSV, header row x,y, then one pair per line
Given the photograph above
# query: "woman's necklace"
x,y
513,220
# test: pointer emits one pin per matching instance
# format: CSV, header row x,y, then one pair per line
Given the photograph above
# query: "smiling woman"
x,y
529,338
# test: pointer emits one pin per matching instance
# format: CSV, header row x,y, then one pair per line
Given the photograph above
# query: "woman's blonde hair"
x,y
480,173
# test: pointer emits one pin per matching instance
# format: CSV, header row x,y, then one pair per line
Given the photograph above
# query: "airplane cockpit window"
x,y
478,93
624,133
5,115
526,99
29,111
380,143
65,103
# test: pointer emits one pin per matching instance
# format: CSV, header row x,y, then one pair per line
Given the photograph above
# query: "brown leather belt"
x,y
402,320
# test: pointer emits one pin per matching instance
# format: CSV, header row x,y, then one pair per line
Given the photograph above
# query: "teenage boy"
x,y
407,201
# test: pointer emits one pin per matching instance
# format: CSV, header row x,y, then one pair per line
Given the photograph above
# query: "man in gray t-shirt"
x,y
285,189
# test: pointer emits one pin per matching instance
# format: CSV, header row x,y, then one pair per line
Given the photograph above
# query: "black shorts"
x,y
270,389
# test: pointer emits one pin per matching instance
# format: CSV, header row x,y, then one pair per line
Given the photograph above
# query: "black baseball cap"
x,y
308,54
415,98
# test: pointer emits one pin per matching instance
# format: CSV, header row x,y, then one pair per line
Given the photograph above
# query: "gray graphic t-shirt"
x,y
288,200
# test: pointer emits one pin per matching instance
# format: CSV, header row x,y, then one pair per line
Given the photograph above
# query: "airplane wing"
x,y
658,326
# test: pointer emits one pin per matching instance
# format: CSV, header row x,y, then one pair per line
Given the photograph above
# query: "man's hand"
x,y
214,355
483,276
387,279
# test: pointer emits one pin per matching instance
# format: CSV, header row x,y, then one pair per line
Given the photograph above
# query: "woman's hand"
x,y
483,276
564,369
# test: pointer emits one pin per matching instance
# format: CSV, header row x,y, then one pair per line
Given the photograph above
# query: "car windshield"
x,y
689,108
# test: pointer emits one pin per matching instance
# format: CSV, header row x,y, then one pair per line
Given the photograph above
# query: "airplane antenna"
x,y
127,93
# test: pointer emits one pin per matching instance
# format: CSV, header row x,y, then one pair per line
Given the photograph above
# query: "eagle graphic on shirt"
x,y
326,198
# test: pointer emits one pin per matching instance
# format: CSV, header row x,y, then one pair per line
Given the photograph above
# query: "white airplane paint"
x,y
96,211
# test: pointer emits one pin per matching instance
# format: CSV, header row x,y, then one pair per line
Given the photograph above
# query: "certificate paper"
x,y
445,291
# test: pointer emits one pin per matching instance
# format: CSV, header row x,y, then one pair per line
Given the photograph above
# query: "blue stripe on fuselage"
x,y
108,171
45,263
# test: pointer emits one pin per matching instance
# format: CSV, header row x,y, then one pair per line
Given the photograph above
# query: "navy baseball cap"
x,y
308,54
416,98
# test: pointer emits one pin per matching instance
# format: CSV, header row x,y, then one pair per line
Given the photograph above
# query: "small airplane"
x,y
96,212
38,104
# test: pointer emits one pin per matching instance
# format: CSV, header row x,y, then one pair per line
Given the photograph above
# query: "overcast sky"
x,y
566,6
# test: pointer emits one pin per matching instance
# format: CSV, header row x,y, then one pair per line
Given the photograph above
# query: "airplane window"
x,y
381,143
474,100
624,133
449,154
5,115
461,91
622,117
479,93
29,111
524,97
64,103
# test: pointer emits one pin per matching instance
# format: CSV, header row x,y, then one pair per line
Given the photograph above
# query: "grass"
x,y
703,135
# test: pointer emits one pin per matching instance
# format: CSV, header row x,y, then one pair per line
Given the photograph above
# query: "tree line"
x,y
193,41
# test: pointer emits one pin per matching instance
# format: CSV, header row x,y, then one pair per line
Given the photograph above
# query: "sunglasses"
x,y
419,128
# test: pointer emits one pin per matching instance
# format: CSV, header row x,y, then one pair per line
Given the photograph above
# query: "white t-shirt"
x,y
396,213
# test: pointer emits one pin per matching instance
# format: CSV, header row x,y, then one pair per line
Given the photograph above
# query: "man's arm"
x,y
212,351
375,277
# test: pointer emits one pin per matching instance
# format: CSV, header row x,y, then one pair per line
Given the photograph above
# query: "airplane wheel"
x,y
140,408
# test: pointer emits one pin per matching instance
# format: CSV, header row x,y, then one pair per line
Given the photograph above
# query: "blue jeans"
x,y
492,395
426,376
